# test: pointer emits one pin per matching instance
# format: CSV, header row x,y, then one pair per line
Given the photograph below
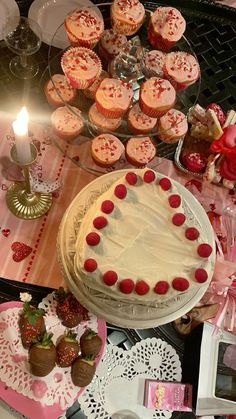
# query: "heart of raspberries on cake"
x,y
147,249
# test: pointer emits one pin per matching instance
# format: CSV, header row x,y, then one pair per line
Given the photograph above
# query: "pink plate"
x,y
27,406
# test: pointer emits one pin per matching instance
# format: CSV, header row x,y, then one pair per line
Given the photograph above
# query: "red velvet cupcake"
x,y
181,69
106,149
127,16
111,44
172,126
113,97
139,122
140,151
58,91
153,63
157,96
166,27
67,122
81,66
84,26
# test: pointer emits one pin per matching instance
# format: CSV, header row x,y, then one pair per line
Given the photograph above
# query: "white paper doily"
x,y
57,387
120,377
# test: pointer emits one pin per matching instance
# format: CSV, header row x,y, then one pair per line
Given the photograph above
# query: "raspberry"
x,y
200,275
191,233
218,111
131,178
174,201
204,250
149,176
165,183
99,222
110,278
178,219
90,265
142,287
92,239
126,286
195,162
107,206
120,191
161,287
180,284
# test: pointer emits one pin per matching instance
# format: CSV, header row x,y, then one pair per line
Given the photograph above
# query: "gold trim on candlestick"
x,y
21,201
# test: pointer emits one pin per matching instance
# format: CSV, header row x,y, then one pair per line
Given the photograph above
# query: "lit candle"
x,y
20,128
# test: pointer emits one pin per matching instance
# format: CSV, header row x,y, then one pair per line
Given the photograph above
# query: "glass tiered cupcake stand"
x,y
78,150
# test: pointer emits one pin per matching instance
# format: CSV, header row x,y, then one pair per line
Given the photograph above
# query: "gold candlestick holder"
x,y
21,201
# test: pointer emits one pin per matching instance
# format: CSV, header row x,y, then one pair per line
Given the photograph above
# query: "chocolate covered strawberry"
x,y
42,356
67,349
82,371
68,309
31,323
90,343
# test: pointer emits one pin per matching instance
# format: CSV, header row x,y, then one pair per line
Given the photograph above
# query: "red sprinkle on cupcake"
x,y
141,287
161,287
100,222
110,278
204,250
178,219
180,284
107,206
90,265
92,239
126,286
201,275
191,233
120,191
149,176
174,201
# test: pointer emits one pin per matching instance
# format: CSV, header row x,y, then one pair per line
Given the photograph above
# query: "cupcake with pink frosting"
x,y
111,44
156,97
153,63
101,122
106,150
81,66
84,27
113,97
138,122
172,126
58,91
140,151
166,27
181,69
127,16
67,122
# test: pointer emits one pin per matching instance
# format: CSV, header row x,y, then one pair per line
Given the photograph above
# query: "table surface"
x,y
213,37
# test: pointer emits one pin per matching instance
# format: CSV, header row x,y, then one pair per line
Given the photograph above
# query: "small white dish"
x,y
8,8
50,14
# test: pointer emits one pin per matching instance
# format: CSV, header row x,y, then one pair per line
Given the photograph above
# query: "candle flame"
x,y
20,125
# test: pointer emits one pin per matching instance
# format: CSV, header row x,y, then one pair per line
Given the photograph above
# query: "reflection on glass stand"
x,y
23,37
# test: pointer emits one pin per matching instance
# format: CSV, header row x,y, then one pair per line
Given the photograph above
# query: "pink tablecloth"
x,y
36,258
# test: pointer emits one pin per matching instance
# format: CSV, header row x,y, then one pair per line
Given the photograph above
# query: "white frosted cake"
x,y
135,243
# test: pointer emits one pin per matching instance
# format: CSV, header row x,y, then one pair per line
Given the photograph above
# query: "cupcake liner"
x,y
157,41
76,82
153,112
113,114
124,28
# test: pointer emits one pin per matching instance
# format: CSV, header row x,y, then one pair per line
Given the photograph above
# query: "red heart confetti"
x,y
21,251
6,232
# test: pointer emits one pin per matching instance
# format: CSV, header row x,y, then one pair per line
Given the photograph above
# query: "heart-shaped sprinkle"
x,y
21,251
6,232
